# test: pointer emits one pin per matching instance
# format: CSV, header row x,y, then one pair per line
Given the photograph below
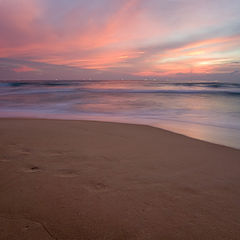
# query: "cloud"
x,y
24,69
121,37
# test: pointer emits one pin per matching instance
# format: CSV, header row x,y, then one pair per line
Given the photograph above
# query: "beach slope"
x,y
73,180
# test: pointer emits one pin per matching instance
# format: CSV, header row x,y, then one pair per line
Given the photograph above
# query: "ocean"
x,y
208,111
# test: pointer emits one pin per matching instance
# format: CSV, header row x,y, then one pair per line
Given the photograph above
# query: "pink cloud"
x,y
24,69
91,37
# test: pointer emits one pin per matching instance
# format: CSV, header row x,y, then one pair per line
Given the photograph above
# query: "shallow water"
x,y
203,110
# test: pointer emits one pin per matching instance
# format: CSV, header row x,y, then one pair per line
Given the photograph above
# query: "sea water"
x,y
208,111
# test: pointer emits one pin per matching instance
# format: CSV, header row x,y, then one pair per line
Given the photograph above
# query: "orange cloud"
x,y
24,69
198,57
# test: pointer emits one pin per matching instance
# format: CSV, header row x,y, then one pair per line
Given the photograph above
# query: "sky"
x,y
120,39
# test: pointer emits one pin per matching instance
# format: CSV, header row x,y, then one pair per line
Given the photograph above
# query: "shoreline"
x,y
72,179
103,120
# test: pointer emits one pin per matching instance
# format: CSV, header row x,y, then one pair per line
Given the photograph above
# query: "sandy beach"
x,y
71,180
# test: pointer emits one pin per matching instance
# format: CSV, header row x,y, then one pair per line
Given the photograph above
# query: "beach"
x,y
68,180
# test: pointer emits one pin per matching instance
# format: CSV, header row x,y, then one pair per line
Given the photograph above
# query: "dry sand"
x,y
92,180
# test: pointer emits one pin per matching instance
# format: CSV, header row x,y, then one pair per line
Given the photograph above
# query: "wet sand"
x,y
71,180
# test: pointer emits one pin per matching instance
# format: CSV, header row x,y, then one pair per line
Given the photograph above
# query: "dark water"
x,y
204,110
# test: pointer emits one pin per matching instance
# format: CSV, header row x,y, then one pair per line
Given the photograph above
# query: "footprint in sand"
x,y
97,187
32,169
20,228
25,151
67,173
59,153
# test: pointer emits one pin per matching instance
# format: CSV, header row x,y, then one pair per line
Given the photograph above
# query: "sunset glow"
x,y
119,39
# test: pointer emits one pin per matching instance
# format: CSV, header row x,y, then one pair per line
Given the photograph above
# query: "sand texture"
x,y
74,180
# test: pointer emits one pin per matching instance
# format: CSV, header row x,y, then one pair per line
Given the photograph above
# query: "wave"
x,y
122,91
77,82
209,84
233,92
134,86
35,83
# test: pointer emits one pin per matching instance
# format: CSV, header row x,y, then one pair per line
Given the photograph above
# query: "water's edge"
x,y
208,111
120,122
